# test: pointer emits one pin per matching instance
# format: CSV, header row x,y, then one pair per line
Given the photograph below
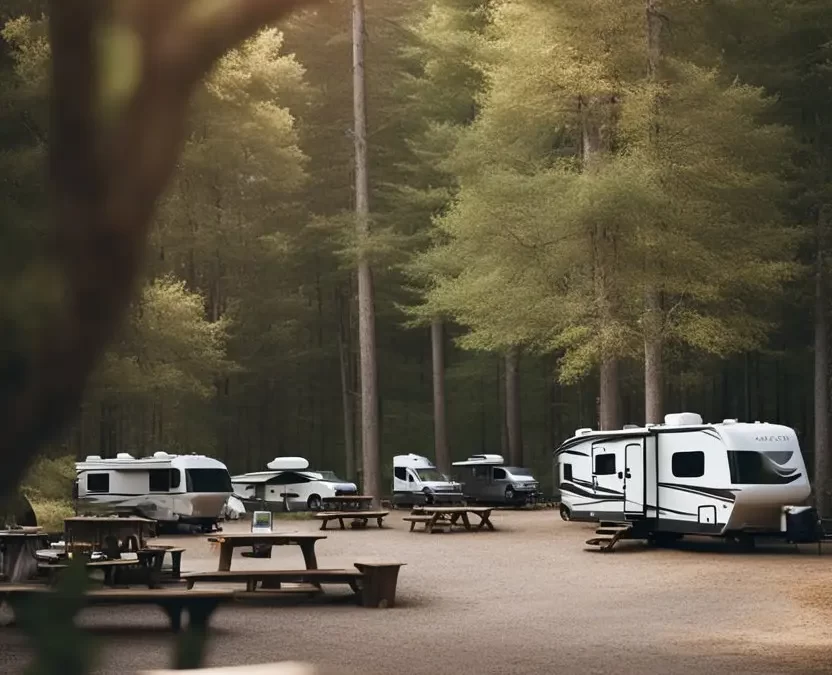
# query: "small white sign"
x,y
261,521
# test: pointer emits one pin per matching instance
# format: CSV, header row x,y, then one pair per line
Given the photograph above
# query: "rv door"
x,y
634,478
608,470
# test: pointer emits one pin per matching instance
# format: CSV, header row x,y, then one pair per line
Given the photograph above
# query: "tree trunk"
x,y
609,414
346,385
823,496
366,309
440,425
653,359
652,325
513,426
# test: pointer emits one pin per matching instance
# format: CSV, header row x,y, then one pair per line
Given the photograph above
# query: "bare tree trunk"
x,y
346,385
653,359
513,426
823,494
653,329
366,309
440,424
609,414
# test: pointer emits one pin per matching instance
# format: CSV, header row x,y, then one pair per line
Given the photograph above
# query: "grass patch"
x,y
51,513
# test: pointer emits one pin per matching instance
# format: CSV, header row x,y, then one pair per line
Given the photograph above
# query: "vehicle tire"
x,y
428,496
510,496
564,513
314,503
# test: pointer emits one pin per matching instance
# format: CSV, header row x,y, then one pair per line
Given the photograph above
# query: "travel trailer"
x,y
417,481
190,489
730,479
288,483
486,478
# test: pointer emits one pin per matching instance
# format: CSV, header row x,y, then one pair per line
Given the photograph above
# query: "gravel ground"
x,y
525,599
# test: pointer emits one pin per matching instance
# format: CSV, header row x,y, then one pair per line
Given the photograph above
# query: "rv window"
x,y
688,464
749,467
499,474
400,473
98,482
208,480
567,472
159,480
605,464
481,472
175,478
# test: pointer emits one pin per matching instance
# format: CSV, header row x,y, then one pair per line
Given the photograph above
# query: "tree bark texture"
x,y
593,113
653,359
513,419
652,314
366,307
440,424
823,476
609,412
112,151
342,307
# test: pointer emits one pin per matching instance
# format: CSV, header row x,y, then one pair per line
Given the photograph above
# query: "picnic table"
x,y
438,517
347,503
228,542
125,533
17,553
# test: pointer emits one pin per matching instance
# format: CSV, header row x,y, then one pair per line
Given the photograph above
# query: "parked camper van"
x,y
190,489
684,477
486,478
417,481
288,484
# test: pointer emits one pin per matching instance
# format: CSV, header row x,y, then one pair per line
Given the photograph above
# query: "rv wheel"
x,y
509,494
314,503
564,512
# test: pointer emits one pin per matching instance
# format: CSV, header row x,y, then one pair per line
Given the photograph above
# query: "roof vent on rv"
x,y
583,431
630,426
161,455
124,455
682,419
732,420
93,458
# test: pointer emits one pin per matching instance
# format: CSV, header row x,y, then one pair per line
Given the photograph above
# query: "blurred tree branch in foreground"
x,y
123,72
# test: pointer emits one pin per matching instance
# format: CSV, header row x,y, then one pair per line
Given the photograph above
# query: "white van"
x,y
417,481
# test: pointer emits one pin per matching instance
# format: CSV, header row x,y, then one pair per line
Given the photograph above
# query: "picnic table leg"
x,y
379,519
485,521
308,550
174,612
324,521
429,525
341,523
226,550
465,520
176,563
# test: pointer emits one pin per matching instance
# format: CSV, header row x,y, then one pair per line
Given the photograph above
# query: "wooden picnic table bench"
x,y
199,604
374,583
436,517
306,543
359,518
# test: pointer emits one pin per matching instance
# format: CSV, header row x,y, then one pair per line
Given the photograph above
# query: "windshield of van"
x,y
749,467
519,472
208,480
429,475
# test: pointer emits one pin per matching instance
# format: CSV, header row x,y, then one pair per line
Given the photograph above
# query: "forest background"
x,y
583,213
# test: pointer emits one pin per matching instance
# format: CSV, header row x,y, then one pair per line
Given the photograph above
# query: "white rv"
x,y
684,477
190,489
417,481
289,483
